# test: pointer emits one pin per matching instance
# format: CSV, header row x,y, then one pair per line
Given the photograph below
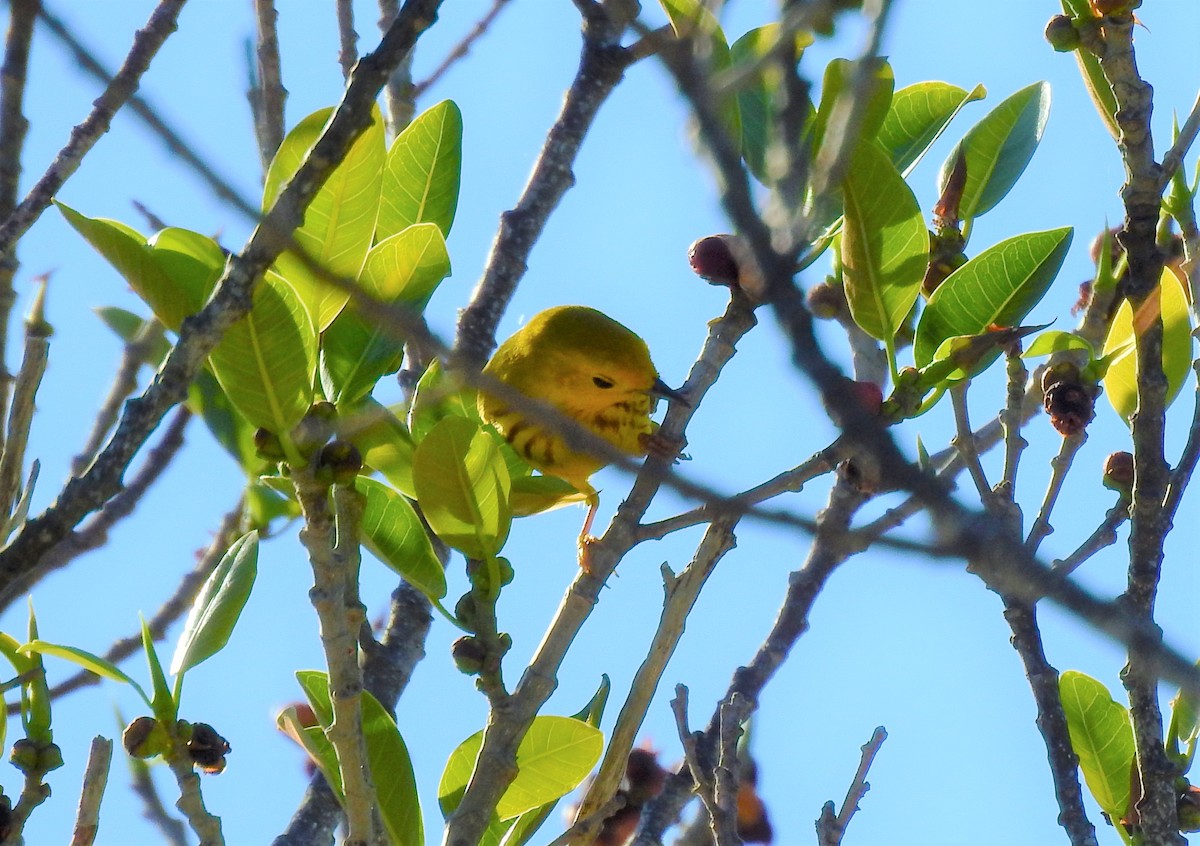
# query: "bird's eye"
x,y
601,382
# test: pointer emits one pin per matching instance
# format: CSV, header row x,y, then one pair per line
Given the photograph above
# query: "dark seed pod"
x,y
1070,402
145,738
207,749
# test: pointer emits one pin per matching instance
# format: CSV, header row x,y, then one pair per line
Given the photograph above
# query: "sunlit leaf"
x,y
174,274
917,117
555,756
391,767
162,701
1057,341
266,361
356,351
997,287
1102,737
422,174
384,442
437,397
998,148
340,221
839,79
217,607
885,245
1170,302
82,658
463,487
393,533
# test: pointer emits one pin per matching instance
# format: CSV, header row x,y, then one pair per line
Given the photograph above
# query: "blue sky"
x,y
917,647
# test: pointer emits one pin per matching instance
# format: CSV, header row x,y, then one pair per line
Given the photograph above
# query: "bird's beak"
x,y
660,389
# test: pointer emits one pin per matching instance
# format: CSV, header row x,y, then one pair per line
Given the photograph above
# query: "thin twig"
x,y
267,94
1059,466
95,780
146,43
681,593
347,37
1105,535
1021,617
830,827
1012,418
460,49
20,416
1182,474
964,441
13,126
398,93
723,818
1173,158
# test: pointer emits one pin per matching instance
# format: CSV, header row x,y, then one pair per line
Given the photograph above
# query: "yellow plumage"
x,y
592,369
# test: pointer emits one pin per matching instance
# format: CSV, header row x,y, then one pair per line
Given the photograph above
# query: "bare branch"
x,y
13,126
1059,465
95,780
267,94
347,37
173,831
831,828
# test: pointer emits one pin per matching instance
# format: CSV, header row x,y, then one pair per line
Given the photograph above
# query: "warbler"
x,y
592,369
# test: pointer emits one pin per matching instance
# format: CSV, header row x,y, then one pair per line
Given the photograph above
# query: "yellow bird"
x,y
592,369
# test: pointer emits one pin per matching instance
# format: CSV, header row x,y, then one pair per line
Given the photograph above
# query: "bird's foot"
x,y
586,542
661,446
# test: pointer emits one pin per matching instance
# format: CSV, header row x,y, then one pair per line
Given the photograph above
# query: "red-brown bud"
x,y
1118,472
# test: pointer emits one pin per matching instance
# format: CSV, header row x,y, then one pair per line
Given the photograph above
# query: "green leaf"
x,y
463,487
1056,340
535,494
1102,738
174,274
555,756
82,658
217,607
340,221
1169,301
885,245
755,98
423,171
1093,75
917,117
356,352
437,397
838,81
391,766
393,533
163,703
999,286
998,148
266,361
384,442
